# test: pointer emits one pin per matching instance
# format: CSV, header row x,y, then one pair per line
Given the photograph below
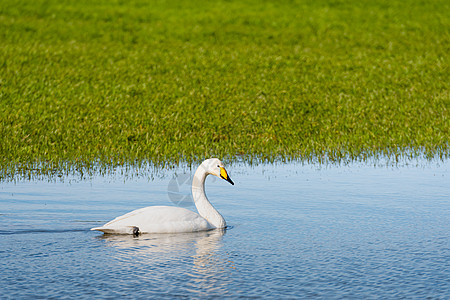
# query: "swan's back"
x,y
157,219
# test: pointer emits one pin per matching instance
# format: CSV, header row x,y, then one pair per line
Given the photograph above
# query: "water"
x,y
296,231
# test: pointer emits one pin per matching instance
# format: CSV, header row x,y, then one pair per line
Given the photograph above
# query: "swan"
x,y
170,219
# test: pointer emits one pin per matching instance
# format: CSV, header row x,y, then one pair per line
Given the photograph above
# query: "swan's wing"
x,y
157,219
131,215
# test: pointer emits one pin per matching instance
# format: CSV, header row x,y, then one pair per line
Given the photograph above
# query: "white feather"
x,y
169,219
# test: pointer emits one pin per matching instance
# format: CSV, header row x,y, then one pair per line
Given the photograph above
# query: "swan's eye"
x,y
218,166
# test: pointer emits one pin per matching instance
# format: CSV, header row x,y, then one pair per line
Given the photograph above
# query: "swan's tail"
x,y
102,229
126,230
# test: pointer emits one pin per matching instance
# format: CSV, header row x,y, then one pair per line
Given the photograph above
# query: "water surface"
x,y
296,231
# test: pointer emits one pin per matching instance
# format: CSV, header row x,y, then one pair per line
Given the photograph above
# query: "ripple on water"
x,y
297,231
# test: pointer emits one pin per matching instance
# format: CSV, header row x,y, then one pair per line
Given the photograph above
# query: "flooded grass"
x,y
115,83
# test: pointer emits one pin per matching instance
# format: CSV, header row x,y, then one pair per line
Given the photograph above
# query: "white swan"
x,y
170,219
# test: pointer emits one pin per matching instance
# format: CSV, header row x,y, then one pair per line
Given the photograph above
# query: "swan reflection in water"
x,y
196,257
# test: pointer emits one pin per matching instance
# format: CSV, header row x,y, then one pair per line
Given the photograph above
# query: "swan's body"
x,y
157,219
170,219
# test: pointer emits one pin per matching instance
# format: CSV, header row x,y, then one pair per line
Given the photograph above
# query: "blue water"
x,y
296,231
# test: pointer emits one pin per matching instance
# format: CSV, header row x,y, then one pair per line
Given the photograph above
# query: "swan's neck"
x,y
204,207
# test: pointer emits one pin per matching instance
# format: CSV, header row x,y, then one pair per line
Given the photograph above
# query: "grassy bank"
x,y
125,81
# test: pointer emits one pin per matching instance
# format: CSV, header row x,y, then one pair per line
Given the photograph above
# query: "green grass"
x,y
123,82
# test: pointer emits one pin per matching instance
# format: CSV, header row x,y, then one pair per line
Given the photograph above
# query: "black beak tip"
x,y
228,179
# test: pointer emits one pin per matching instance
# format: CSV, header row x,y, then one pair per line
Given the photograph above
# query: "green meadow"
x,y
111,82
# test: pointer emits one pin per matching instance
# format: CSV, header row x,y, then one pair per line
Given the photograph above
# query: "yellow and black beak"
x,y
224,175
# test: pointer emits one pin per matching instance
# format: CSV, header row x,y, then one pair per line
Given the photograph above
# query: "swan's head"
x,y
215,167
